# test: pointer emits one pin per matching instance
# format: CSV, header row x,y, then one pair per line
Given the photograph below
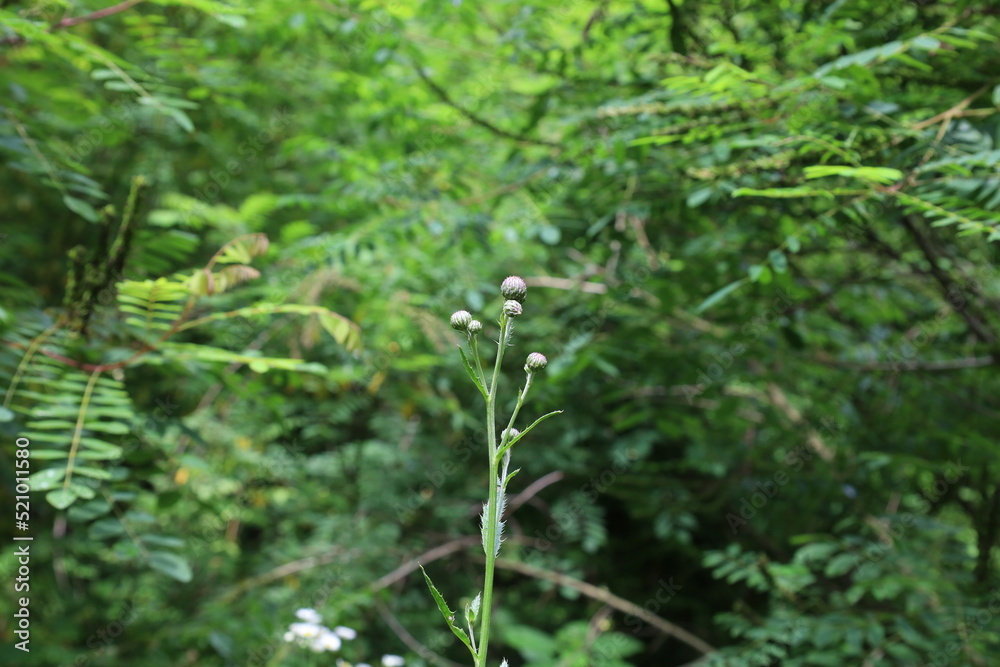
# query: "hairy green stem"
x,y
493,518
517,408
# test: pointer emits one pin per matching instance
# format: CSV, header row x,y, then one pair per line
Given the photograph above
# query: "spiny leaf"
x,y
483,520
472,373
449,615
472,609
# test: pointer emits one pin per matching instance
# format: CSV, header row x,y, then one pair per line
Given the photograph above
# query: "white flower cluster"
x,y
311,634
387,661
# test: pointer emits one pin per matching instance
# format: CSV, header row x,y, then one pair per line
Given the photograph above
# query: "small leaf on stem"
x,y
449,615
472,373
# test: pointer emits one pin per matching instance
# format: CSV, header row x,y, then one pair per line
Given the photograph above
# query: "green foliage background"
x,y
759,242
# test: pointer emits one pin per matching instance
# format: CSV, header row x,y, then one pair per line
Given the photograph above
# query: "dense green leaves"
x,y
759,240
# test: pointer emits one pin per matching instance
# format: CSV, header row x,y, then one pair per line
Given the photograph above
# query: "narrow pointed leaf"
x,y
719,295
472,373
528,430
449,615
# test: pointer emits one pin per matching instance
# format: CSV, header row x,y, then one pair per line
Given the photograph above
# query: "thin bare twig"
x,y
77,20
481,122
282,571
533,489
411,641
431,555
612,600
916,365
566,284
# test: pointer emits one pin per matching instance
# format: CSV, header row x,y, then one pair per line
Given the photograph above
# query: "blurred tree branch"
x,y
77,20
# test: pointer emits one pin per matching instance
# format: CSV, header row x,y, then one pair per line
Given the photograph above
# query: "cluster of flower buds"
x,y
514,290
461,319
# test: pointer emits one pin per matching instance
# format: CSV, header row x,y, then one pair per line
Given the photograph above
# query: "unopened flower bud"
x,y
509,434
535,362
460,320
475,326
512,308
514,288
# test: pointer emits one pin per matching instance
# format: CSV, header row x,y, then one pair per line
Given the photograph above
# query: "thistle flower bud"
x,y
514,288
535,362
512,308
460,320
475,326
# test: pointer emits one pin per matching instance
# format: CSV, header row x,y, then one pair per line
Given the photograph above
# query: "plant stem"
x,y
520,402
493,518
479,363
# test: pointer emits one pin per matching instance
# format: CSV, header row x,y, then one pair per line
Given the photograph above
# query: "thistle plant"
x,y
478,613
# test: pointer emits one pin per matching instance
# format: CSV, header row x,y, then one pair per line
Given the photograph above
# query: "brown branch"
x,y
433,554
946,281
77,20
566,284
533,489
778,399
939,365
446,98
281,572
411,641
612,600
953,112
591,591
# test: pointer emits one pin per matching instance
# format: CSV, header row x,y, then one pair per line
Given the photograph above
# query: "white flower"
x,y
331,641
309,616
345,632
392,661
327,641
306,630
289,636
